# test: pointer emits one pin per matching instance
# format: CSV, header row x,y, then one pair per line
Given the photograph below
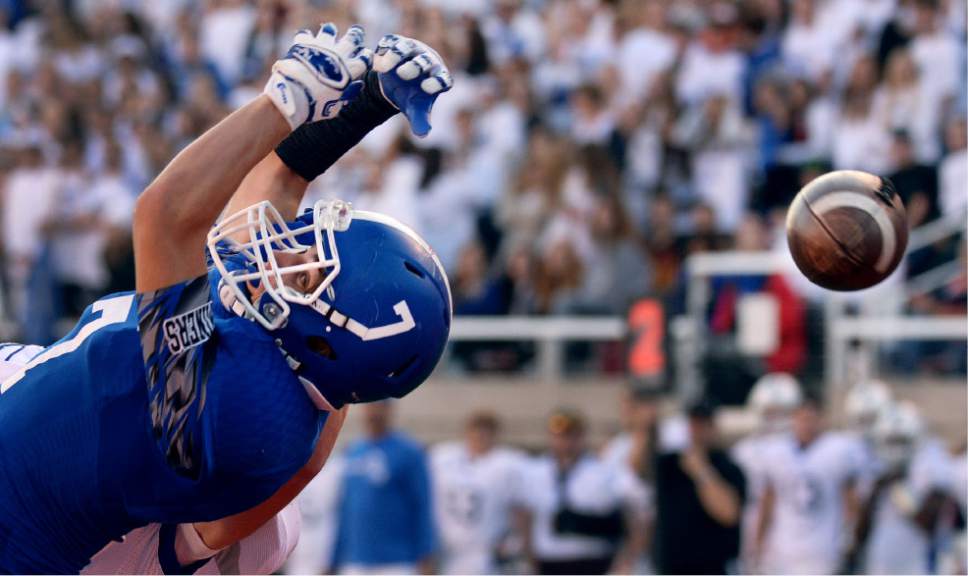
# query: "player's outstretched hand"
x,y
319,74
412,75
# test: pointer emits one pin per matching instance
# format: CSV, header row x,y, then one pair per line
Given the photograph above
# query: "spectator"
x,y
77,243
718,136
385,518
476,485
617,272
585,516
808,46
904,103
699,495
475,292
916,183
29,198
224,32
937,54
953,172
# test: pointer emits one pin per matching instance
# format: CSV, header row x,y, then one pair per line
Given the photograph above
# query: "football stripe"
x,y
835,200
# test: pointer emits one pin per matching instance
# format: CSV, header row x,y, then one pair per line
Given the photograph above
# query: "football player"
x,y
773,399
864,402
198,399
155,549
477,484
898,528
808,498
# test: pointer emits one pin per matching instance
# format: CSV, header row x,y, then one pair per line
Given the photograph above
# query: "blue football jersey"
x,y
157,407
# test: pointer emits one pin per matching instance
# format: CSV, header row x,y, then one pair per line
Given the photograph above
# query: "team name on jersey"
x,y
189,329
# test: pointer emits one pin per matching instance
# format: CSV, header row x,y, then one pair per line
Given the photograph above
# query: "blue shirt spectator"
x,y
385,519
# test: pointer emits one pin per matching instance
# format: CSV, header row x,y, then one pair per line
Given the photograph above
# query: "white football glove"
x,y
319,74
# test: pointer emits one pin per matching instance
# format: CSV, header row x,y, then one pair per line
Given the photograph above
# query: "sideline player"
x,y
200,398
773,399
477,485
899,529
808,499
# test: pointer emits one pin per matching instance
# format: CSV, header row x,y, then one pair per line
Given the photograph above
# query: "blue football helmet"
x,y
375,325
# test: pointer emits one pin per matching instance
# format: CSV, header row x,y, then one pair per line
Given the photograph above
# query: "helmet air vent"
x,y
403,367
321,346
412,268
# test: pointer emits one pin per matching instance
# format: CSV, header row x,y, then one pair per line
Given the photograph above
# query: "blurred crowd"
x,y
669,494
587,147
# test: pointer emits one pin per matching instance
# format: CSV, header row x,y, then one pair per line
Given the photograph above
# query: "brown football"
x,y
847,230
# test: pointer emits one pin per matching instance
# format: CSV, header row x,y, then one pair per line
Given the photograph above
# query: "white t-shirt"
x,y
952,176
938,57
592,486
224,36
861,144
807,527
30,198
807,49
704,73
642,54
473,498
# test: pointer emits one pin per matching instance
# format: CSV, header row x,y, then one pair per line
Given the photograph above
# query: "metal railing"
x,y
550,335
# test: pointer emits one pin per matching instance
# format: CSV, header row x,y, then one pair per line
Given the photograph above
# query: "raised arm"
x,y
173,215
408,77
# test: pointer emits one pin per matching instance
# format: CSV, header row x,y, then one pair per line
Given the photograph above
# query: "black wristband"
x,y
312,148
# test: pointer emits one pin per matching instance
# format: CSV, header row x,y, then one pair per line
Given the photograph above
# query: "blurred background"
x,y
606,185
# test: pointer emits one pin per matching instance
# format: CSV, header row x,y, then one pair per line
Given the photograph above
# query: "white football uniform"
x,y
750,454
867,465
319,508
896,544
262,552
807,529
593,486
618,452
473,497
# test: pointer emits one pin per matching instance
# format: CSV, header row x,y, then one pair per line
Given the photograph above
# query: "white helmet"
x,y
865,401
896,431
898,421
772,398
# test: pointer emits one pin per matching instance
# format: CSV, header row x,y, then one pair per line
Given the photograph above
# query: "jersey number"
x,y
113,311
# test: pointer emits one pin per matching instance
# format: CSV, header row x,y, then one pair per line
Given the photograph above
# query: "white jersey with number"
x,y
896,544
473,497
807,528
